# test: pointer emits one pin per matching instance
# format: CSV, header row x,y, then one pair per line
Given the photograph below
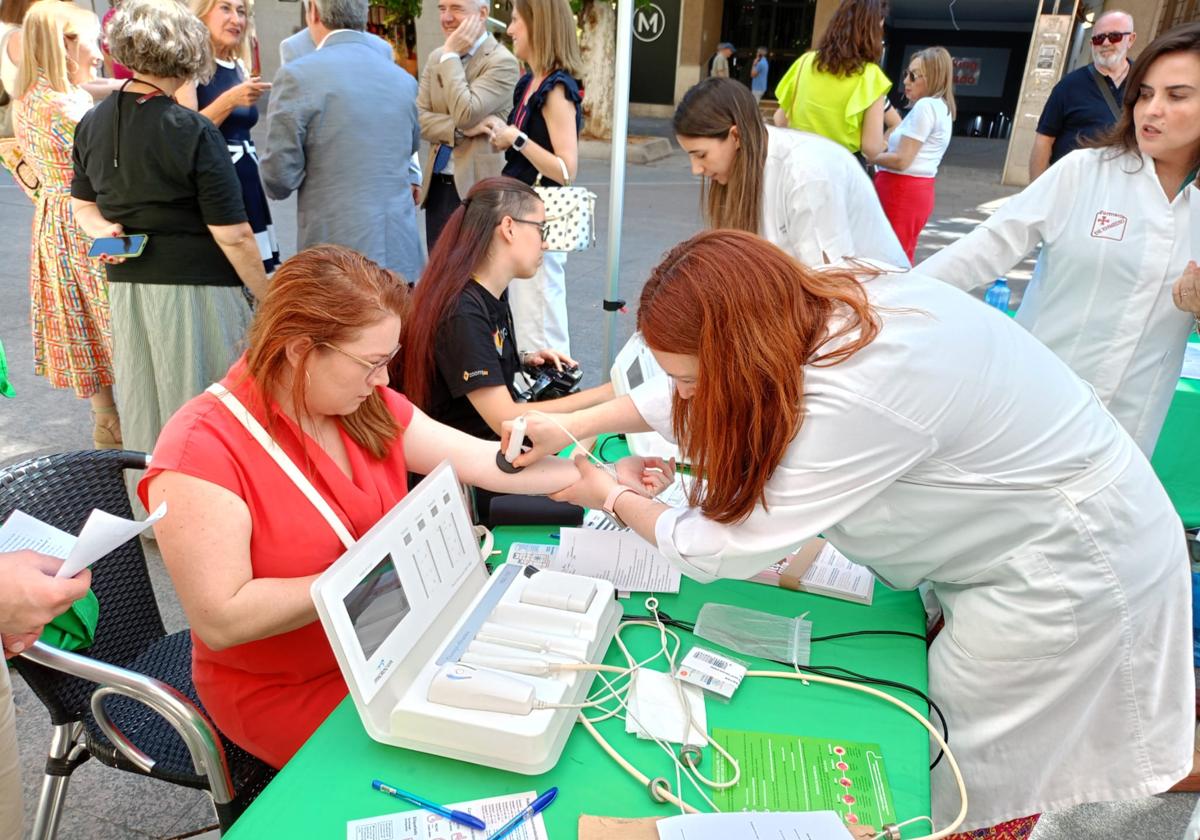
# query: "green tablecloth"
x,y
1177,455
328,782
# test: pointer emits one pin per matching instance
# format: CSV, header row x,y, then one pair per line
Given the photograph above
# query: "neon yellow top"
x,y
829,105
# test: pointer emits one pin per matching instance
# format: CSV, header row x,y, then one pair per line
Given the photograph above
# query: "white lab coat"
x,y
818,202
956,449
1114,245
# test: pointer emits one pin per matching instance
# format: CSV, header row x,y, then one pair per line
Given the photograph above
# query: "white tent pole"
x,y
616,179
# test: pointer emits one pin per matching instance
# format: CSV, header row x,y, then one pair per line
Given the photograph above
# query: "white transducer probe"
x,y
504,460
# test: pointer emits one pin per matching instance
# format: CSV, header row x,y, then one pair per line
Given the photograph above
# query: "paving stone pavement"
x,y
661,208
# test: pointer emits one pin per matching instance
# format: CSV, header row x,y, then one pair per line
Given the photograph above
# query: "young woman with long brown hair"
x,y
243,543
460,355
838,90
931,439
1116,290
797,190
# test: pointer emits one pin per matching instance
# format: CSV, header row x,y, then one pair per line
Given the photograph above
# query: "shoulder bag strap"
x,y
243,416
1105,92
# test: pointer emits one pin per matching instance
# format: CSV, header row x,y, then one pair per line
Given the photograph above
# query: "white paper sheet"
x,y
100,534
654,701
621,557
1191,362
22,531
423,825
795,825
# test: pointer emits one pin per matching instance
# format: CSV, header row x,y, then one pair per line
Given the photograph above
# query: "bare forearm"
x,y
583,399
1039,157
244,257
640,514
89,219
545,161
261,608
546,476
614,416
218,110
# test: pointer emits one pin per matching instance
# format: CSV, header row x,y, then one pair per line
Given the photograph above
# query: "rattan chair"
x,y
129,702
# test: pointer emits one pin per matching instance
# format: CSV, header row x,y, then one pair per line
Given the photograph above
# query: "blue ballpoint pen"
x,y
534,808
460,817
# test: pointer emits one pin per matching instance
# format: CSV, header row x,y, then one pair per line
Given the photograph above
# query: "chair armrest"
x,y
198,734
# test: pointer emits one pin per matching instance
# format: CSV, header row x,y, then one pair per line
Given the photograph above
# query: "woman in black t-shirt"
x,y
459,354
542,140
143,164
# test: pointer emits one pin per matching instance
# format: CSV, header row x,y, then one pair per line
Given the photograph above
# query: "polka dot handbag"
x,y
570,214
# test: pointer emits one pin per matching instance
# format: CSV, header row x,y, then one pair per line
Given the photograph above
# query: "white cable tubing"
x,y
796,675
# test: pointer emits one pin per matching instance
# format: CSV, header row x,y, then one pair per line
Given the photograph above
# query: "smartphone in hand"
x,y
118,246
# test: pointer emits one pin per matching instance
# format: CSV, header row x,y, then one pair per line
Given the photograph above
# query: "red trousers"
x,y
908,203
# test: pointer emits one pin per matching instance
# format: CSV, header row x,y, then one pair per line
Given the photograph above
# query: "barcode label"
x,y
711,671
712,659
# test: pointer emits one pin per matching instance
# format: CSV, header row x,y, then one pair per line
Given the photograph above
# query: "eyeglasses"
x,y
910,76
372,367
1111,37
543,228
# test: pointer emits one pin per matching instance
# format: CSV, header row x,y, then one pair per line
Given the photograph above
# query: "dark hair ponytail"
x,y
461,250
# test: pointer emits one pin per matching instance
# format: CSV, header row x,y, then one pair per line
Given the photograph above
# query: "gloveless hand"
x,y
247,93
547,438
465,35
1186,292
30,594
591,489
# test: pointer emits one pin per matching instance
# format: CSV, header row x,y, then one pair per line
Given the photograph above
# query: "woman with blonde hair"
x,y
229,100
72,338
799,191
915,147
542,143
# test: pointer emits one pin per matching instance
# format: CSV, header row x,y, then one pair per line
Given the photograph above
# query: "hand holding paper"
x,y
102,533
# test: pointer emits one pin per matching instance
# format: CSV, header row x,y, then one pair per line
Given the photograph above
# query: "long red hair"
x,y
461,250
327,294
753,332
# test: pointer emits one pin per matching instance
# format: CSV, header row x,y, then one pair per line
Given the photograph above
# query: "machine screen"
x,y
377,605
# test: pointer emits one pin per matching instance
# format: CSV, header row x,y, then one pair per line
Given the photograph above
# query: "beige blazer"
x,y
456,94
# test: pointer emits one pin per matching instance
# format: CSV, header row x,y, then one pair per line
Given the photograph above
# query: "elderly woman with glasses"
x,y
146,165
243,542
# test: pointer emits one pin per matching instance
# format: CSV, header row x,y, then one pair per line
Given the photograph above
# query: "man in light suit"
x,y
468,79
341,128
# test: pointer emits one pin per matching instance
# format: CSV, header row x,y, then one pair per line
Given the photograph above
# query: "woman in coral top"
x,y
243,543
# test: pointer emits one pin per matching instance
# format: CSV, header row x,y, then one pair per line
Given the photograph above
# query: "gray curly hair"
x,y
161,38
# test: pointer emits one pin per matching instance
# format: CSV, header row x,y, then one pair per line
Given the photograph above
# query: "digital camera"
x,y
549,384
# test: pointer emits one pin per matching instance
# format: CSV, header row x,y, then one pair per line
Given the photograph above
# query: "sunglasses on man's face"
x,y
1111,37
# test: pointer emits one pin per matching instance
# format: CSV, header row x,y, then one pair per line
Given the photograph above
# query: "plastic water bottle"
x,y
998,295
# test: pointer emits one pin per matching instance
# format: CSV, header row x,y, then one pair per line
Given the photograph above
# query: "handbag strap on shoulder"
x,y
243,416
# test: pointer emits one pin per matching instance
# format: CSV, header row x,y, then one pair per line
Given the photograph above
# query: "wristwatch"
x,y
610,503
522,139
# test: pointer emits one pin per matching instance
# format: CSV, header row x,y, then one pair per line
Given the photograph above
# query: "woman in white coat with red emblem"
x,y
930,438
1116,287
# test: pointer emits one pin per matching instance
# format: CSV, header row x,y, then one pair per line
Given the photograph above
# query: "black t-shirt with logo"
x,y
475,348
